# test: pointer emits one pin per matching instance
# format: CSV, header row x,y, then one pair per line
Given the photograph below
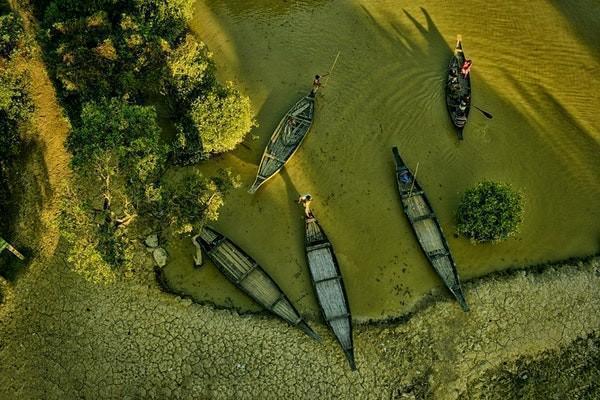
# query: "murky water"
x,y
536,68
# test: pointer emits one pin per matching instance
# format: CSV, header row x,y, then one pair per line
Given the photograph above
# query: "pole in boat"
x,y
331,69
413,180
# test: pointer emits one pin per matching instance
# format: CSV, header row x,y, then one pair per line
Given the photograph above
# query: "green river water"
x,y
536,67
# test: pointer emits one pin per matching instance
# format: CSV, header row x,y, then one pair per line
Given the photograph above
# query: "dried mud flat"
x,y
63,337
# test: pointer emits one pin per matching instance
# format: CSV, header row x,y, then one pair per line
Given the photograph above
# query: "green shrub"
x,y
16,107
193,200
118,146
114,125
166,18
189,70
490,211
11,32
221,118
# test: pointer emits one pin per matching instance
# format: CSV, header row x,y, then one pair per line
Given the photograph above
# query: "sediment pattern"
x,y
63,337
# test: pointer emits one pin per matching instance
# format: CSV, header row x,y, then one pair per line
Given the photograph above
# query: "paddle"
x,y
485,113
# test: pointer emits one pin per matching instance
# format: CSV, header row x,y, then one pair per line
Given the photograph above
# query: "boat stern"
x,y
460,298
308,330
255,186
350,356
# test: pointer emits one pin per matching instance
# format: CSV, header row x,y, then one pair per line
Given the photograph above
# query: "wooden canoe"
x,y
455,93
286,139
427,228
329,286
249,277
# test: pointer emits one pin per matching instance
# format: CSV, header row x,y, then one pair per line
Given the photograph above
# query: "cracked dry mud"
x,y
63,337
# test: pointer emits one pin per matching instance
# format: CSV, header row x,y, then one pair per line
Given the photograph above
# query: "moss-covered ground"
x,y
63,338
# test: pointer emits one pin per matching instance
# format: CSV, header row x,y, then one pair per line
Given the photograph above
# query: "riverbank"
x,y
62,337
67,338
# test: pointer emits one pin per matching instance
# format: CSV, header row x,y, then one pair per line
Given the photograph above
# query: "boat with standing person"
x,y
288,135
248,276
427,228
458,89
328,284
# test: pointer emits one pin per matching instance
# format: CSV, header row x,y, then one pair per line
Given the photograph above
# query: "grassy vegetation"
x,y
490,211
107,59
16,108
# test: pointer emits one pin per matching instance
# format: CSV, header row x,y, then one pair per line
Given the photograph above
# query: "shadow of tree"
x,y
28,190
584,16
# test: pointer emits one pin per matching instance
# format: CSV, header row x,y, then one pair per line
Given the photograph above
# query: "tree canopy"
x,y
11,32
221,118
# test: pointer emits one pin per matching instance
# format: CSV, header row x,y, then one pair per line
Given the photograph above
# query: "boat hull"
x,y
427,229
248,276
329,286
456,94
286,139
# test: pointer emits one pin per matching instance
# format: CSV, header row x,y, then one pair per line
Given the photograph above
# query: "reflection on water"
x,y
540,80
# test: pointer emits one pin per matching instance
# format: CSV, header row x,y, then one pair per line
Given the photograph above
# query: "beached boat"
x,y
459,91
329,286
286,139
249,277
427,228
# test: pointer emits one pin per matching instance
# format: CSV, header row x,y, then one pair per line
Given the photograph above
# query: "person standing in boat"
x,y
466,68
305,201
317,84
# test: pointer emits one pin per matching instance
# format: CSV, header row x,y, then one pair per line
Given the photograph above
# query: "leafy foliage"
x,y
117,140
11,32
189,70
15,109
166,18
221,118
194,199
80,230
490,211
107,58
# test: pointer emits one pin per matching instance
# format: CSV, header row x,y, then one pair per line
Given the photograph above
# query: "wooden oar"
x,y
413,180
485,113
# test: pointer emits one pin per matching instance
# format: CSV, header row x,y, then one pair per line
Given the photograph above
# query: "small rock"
x,y
152,240
160,256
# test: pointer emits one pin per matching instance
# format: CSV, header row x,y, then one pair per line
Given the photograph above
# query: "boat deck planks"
x,y
286,139
427,229
329,286
248,276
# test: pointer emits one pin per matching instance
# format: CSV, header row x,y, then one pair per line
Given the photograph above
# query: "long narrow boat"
x,y
427,229
458,92
329,286
286,139
249,277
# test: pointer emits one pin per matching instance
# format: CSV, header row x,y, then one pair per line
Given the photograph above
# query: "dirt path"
x,y
47,165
